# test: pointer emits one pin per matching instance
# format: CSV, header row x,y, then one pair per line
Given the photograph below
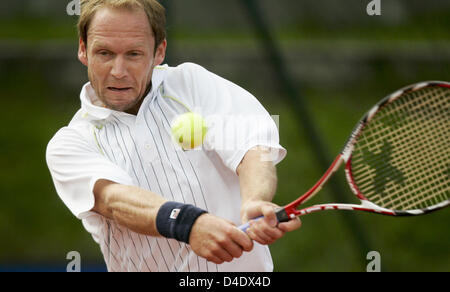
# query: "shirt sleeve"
x,y
75,167
236,120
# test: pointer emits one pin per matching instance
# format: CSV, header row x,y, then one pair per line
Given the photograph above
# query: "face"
x,y
120,57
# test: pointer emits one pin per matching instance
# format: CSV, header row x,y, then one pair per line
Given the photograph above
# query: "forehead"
x,y
113,26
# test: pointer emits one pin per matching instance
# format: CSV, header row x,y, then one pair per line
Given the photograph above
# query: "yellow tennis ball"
x,y
189,130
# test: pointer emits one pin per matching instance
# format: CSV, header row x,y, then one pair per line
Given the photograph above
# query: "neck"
x,y
135,109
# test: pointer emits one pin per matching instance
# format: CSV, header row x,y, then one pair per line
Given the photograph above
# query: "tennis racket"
x,y
397,159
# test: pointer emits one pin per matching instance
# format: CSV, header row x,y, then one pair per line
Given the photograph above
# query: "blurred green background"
x,y
340,59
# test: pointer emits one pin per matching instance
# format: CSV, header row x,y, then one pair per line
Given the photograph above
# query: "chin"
x,y
121,107
126,107
119,103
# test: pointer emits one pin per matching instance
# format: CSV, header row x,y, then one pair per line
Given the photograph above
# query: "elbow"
x,y
105,199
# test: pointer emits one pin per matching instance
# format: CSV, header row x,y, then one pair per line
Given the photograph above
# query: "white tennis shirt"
x,y
100,143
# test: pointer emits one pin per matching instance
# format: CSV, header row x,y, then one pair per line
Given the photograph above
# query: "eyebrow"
x,y
107,46
139,45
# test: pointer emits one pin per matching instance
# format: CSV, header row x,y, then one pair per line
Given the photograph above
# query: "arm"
x,y
74,163
258,184
129,206
211,237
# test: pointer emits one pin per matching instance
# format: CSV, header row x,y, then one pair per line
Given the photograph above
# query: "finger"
x,y
269,215
233,249
243,240
256,237
239,238
222,254
291,225
269,225
256,209
214,259
232,240
266,231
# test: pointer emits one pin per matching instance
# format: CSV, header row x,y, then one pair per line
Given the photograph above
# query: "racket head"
x,y
398,156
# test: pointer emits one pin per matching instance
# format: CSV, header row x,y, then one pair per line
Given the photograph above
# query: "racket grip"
x,y
281,214
245,226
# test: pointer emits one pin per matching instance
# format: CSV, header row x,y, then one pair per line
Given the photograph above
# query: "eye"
x,y
134,54
104,53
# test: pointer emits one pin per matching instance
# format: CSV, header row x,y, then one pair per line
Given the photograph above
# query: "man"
x,y
148,204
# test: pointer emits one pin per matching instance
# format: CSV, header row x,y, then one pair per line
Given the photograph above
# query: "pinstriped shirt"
x,y
100,143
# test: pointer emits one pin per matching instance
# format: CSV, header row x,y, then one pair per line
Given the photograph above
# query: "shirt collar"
x,y
92,106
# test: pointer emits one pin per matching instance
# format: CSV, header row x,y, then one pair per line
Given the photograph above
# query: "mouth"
x,y
119,89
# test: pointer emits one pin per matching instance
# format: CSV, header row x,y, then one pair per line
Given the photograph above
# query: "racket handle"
x,y
245,226
281,214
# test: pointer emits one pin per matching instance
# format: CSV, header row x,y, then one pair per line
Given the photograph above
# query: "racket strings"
x,y
419,188
418,162
384,170
387,166
401,158
422,160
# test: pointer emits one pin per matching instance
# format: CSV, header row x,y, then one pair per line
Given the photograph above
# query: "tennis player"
x,y
148,204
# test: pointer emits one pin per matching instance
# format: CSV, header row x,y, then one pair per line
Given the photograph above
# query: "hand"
x,y
266,230
218,240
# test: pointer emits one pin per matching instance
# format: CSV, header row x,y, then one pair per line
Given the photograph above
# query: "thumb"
x,y
270,217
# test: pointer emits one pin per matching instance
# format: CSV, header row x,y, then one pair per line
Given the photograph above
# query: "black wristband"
x,y
175,220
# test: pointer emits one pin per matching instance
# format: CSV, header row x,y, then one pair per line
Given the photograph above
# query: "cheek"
x,y
145,74
97,69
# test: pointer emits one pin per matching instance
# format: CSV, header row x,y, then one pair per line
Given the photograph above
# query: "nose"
x,y
119,69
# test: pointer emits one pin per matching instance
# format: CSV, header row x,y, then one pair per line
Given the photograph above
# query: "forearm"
x,y
129,206
257,177
211,237
258,183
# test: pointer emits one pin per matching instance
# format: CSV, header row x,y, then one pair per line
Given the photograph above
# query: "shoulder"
x,y
188,67
185,71
193,77
77,132
80,125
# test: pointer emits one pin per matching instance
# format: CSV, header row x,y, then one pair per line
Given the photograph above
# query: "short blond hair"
x,y
154,10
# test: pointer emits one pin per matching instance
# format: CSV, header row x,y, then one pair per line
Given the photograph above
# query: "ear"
x,y
160,53
82,52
